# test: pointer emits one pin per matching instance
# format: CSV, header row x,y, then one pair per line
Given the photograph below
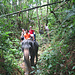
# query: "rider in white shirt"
x,y
22,34
47,29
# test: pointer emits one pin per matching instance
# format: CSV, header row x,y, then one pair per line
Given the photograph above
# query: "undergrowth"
x,y
58,59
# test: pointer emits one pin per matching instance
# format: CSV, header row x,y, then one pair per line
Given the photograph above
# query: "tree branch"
x,y
29,9
60,6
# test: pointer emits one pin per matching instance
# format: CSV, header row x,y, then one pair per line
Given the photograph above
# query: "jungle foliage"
x,y
58,57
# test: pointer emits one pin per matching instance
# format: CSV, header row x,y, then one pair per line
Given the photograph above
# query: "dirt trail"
x,y
22,64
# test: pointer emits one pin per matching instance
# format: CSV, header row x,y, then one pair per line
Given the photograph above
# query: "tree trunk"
x,y
47,13
22,18
56,17
41,23
38,17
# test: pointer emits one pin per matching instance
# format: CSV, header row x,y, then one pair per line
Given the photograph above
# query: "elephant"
x,y
30,48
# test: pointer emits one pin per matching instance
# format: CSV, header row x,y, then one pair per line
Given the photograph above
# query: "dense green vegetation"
x,y
57,54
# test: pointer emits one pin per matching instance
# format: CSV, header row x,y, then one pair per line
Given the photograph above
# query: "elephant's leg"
x,y
36,58
36,55
26,59
32,60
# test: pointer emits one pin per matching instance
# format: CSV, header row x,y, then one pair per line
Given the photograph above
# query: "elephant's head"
x,y
26,44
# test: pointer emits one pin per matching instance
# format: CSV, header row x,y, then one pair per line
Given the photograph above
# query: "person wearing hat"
x,y
31,31
47,30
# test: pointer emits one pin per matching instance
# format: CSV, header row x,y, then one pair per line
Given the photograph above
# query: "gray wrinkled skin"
x,y
31,48
25,44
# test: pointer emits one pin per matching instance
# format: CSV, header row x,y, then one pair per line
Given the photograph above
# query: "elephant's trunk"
x,y
26,53
26,59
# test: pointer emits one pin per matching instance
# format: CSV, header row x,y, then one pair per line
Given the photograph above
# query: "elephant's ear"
x,y
36,43
30,43
33,45
21,43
